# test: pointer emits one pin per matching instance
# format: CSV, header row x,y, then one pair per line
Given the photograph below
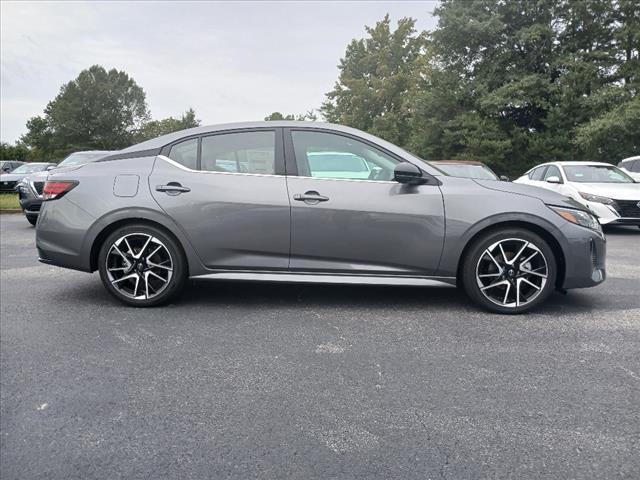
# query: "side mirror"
x,y
553,179
504,178
50,167
408,173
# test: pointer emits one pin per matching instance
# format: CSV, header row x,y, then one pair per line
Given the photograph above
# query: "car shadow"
x,y
621,230
264,295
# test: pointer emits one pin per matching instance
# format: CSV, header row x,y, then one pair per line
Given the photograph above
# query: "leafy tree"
x,y
155,128
99,109
310,116
375,75
19,151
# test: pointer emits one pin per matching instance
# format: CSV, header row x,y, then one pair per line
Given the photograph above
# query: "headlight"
x,y
596,198
579,217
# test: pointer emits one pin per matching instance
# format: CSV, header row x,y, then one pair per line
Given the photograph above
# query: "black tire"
x,y
32,220
477,258
168,291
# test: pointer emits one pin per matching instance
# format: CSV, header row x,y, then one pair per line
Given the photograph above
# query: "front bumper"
x,y
585,258
30,202
621,212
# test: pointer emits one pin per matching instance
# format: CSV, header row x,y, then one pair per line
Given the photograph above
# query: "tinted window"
x,y
327,155
31,168
552,171
245,152
634,167
185,153
536,173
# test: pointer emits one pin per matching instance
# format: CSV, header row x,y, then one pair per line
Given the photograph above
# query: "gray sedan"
x,y
310,202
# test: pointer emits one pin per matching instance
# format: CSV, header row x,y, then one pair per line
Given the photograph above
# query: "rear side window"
x,y
244,152
537,173
185,153
634,166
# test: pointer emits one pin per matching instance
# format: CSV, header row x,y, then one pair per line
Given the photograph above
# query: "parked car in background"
x,y
467,169
9,181
7,166
609,192
154,214
631,165
30,187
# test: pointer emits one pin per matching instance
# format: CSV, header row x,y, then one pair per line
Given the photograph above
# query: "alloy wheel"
x,y
512,272
139,266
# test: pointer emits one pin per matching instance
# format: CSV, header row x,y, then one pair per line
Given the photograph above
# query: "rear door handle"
x,y
172,188
311,197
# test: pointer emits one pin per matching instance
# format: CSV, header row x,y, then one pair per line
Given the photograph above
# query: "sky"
x,y
230,61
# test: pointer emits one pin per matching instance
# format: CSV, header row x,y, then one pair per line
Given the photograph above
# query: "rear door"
x,y
349,217
228,193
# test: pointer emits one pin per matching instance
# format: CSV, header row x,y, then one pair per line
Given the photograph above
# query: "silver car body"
x,y
235,225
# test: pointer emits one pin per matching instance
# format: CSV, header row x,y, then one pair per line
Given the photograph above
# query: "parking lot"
x,y
244,380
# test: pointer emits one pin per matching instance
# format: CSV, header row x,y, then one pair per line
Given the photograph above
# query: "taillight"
x,y
56,189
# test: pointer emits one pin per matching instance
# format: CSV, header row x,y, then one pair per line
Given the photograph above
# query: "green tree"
x,y
155,128
99,109
375,75
19,151
309,116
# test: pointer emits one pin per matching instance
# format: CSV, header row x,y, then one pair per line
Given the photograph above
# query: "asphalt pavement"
x,y
256,380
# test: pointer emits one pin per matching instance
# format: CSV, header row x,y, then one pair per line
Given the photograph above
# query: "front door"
x,y
349,216
226,193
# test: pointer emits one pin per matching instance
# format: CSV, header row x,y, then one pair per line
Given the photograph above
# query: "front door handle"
x,y
311,197
172,188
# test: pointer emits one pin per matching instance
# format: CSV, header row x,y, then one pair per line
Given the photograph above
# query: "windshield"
x,y
596,174
38,167
80,158
467,171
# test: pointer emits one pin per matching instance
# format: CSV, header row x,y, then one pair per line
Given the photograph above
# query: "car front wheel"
x,y
509,271
142,266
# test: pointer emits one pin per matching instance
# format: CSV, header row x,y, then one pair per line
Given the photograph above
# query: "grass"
x,y
9,200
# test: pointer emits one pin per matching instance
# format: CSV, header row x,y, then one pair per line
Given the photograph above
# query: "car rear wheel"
x,y
142,266
509,271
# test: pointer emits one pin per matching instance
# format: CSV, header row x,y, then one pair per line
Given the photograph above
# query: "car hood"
x,y
617,191
13,177
547,196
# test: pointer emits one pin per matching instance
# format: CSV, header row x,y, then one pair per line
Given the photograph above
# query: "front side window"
x,y
244,152
536,173
185,153
552,171
328,155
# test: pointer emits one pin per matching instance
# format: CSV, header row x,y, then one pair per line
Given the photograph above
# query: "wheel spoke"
x,y
496,284
487,252
530,257
135,290
144,247
157,265
154,252
118,269
531,272
504,255
532,284
119,252
151,272
126,242
506,294
486,275
122,279
515,257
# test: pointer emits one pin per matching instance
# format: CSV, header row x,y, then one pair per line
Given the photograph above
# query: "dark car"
x,y
9,181
8,166
30,187
467,169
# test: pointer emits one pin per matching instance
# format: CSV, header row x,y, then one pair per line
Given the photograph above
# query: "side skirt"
x,y
330,278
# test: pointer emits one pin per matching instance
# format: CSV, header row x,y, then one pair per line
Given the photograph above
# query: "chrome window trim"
x,y
187,169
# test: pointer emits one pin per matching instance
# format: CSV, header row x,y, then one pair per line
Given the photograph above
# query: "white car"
x,y
610,193
631,166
